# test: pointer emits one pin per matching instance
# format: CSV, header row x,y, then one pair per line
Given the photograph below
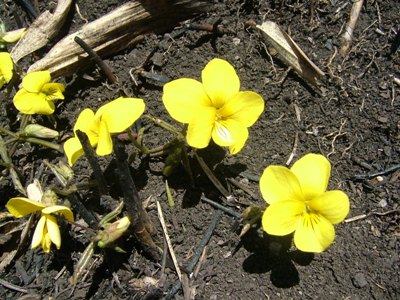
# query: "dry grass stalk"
x,y
347,36
116,31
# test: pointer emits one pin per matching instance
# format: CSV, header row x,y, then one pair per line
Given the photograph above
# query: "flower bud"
x,y
34,191
39,131
173,159
252,214
112,232
49,198
63,172
13,36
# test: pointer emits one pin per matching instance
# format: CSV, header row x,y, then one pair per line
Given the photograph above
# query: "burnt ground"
x,y
355,123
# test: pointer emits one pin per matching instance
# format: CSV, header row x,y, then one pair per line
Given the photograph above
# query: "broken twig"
x,y
198,252
373,175
221,207
94,164
97,59
140,221
373,213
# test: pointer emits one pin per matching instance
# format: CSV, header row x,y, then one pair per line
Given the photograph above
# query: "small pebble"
x,y
359,280
329,44
383,119
158,59
383,203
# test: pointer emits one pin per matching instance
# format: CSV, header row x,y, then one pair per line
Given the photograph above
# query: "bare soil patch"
x,y
356,124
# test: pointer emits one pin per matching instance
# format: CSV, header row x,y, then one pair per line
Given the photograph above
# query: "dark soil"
x,y
356,124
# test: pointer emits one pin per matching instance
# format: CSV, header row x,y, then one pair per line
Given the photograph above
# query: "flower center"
x,y
49,93
307,209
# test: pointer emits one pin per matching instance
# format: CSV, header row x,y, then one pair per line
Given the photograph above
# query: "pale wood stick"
x,y
347,36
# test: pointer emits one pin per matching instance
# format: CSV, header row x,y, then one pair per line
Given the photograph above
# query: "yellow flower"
x,y
214,108
47,230
38,94
113,117
299,203
6,68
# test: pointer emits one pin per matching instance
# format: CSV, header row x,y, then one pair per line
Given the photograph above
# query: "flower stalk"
x,y
21,136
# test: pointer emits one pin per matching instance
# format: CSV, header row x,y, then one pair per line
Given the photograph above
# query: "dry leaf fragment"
x,y
41,31
7,258
290,53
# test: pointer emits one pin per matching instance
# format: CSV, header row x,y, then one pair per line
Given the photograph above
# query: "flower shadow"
x,y
272,254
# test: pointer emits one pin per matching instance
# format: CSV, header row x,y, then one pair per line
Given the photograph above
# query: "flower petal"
x,y
73,150
46,241
20,206
278,183
221,133
282,218
6,66
120,113
182,97
85,120
240,135
53,91
39,233
314,233
32,103
88,124
104,145
238,145
201,127
313,172
34,81
244,107
230,133
53,230
65,211
220,81
333,205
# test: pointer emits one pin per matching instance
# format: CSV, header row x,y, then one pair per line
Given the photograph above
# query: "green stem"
x,y
10,141
33,140
186,164
5,165
165,125
107,218
10,133
74,188
142,148
24,121
44,143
